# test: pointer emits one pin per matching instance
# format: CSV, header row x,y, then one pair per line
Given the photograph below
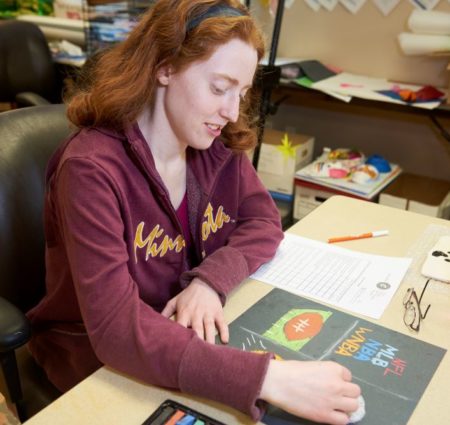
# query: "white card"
x,y
437,262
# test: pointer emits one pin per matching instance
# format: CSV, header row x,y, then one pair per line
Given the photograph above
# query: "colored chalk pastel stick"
x,y
175,418
186,420
199,422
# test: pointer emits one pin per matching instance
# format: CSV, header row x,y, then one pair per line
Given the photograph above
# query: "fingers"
x,y
346,374
222,327
338,418
205,328
197,326
184,319
352,390
347,404
210,329
198,307
169,309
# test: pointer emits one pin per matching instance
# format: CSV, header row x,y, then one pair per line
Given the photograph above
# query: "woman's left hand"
x,y
198,306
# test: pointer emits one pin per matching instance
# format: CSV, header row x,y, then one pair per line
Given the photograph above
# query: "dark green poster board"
x,y
392,369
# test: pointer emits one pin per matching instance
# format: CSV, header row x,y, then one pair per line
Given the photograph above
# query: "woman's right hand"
x,y
320,391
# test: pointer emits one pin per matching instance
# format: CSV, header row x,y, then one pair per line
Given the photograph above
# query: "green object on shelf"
x,y
35,7
45,7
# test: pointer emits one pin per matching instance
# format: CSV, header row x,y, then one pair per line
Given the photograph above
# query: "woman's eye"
x,y
217,90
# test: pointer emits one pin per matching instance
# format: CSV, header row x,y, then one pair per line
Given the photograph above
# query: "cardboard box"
x,y
281,155
306,199
423,195
309,196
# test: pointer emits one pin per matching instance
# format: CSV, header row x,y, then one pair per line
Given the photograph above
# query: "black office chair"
x,y
28,136
28,74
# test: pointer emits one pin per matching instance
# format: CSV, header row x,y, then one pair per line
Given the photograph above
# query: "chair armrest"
x,y
15,329
30,99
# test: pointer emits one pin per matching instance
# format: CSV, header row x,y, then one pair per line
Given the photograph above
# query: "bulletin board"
x,y
361,43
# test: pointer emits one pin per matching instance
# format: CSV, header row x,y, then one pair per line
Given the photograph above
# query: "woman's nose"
x,y
230,109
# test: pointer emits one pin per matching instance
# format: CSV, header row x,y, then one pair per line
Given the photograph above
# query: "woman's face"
x,y
200,100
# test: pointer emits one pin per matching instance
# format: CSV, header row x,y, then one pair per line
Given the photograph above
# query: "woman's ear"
x,y
163,74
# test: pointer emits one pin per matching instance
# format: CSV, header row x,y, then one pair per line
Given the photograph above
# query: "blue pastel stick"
x,y
186,420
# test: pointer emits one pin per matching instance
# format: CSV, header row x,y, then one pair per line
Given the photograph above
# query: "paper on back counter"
x,y
367,88
355,85
358,282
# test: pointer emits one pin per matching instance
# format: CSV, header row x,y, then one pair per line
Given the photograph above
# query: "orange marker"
x,y
361,236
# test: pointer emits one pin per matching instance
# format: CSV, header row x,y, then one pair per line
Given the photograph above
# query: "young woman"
x,y
153,209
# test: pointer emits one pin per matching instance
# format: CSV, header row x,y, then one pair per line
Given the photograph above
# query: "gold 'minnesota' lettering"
x,y
213,224
153,246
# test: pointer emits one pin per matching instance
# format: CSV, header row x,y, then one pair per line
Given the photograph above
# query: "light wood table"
x,y
108,397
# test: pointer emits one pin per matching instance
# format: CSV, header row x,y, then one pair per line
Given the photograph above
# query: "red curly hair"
x,y
121,81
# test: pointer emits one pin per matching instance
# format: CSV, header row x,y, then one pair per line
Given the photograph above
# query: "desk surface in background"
x,y
108,398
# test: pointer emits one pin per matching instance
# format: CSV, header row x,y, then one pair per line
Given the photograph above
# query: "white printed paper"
x,y
353,5
358,282
386,6
354,85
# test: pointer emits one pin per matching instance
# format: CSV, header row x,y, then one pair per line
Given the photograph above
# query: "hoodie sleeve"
x,y
253,241
126,333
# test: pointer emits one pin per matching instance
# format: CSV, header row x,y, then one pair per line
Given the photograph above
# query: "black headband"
x,y
212,12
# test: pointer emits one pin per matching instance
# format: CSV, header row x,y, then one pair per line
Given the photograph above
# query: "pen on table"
x,y
374,234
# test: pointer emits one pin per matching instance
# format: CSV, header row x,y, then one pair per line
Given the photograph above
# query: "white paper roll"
x,y
429,22
421,44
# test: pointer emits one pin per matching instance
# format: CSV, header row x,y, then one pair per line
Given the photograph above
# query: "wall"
x,y
366,44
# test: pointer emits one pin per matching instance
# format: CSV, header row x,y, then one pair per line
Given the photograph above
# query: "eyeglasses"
x,y
413,313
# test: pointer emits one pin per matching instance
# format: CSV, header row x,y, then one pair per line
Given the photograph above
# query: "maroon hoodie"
x,y
115,255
